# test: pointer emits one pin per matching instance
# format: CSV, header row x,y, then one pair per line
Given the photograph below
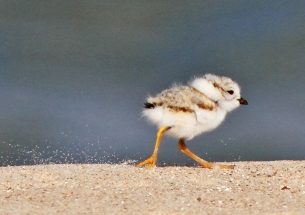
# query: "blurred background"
x,y
74,75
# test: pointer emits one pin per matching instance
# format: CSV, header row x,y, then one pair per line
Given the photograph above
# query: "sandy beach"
x,y
276,187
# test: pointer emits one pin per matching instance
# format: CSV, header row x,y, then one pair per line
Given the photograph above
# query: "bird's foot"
x,y
148,163
208,165
225,166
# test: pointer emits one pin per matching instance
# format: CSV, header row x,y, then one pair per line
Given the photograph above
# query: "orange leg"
x,y
203,163
152,160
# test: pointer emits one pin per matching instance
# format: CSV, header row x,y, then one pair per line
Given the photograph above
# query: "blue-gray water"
x,y
74,75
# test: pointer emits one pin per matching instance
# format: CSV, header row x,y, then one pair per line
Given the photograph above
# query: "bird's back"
x,y
180,99
182,107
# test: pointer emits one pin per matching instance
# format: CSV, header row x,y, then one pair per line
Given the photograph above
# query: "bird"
x,y
186,111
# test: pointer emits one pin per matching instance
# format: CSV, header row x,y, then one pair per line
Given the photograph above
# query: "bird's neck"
x,y
205,87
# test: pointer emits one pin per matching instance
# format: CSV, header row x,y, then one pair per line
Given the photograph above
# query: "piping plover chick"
x,y
184,112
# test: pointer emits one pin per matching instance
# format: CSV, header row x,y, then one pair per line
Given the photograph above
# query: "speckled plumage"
x,y
195,108
182,98
187,111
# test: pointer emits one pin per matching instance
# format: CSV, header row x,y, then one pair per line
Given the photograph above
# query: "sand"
x,y
251,188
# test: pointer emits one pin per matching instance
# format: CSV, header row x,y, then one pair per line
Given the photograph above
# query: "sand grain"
x,y
251,188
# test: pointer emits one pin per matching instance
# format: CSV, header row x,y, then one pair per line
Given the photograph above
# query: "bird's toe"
x,y
148,163
226,166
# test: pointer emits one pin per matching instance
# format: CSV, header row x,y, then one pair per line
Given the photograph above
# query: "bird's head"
x,y
221,89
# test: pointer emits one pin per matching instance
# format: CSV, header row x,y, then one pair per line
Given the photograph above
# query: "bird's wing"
x,y
181,99
176,99
202,101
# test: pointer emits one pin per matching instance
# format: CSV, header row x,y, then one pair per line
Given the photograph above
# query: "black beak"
x,y
242,101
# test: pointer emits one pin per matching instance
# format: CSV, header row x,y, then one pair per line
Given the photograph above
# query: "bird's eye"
x,y
231,92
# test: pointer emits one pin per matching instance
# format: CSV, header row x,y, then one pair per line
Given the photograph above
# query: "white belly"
x,y
185,125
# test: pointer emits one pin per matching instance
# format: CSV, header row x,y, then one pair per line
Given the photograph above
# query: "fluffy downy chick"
x,y
184,112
